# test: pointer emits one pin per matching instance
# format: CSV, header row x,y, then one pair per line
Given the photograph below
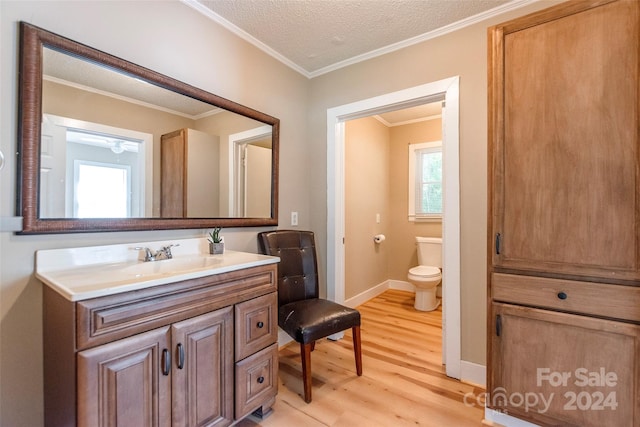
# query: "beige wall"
x,y
366,194
402,245
376,182
169,37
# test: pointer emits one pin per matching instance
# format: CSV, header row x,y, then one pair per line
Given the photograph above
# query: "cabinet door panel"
x,y
172,182
566,166
122,384
555,368
203,370
256,380
256,323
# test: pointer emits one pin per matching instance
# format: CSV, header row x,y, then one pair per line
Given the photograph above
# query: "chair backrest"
x,y
298,268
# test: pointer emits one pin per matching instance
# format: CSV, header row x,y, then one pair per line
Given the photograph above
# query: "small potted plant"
x,y
216,242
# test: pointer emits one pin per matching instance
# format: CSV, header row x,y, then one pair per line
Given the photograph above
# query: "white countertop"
x,y
82,273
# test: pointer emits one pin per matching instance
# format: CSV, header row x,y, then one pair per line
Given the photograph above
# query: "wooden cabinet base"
x,y
166,365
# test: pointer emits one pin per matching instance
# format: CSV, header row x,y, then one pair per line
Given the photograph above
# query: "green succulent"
x,y
214,235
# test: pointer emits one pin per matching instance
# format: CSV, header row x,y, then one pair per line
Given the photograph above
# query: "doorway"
x,y
446,89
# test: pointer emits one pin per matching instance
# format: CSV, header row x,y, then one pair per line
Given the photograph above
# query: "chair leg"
x,y
357,349
305,353
313,345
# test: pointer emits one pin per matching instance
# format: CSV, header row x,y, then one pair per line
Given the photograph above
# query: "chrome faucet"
x,y
160,254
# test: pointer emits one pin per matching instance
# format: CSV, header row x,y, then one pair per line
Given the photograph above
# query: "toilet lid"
x,y
425,271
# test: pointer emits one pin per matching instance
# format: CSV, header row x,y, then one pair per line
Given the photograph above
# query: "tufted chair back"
x,y
298,268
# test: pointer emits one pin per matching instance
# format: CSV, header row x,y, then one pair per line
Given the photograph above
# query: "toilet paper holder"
x,y
379,238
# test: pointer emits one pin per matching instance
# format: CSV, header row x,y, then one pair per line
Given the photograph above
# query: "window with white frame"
x,y
101,190
425,181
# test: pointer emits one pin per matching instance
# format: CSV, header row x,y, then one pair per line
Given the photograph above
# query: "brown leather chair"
x,y
304,316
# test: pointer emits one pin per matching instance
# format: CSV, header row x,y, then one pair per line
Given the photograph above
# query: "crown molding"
x,y
244,35
507,7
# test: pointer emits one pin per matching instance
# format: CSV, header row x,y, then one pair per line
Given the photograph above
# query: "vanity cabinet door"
x,y
203,370
556,368
126,383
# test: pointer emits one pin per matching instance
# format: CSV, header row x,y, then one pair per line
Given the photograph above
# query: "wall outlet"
x,y
294,218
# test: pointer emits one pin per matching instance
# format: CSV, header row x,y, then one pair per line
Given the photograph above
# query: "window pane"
x,y
102,192
425,180
432,167
432,198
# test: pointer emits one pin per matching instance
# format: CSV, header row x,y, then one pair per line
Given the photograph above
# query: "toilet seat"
x,y
425,271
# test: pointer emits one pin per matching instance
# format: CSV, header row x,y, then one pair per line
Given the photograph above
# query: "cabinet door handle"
x,y
260,325
562,295
166,362
260,380
498,241
180,356
498,325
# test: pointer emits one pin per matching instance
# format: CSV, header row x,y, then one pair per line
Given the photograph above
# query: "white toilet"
x,y
427,276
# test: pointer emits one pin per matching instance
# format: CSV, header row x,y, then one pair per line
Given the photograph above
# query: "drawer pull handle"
x,y
166,362
180,356
260,325
260,380
562,295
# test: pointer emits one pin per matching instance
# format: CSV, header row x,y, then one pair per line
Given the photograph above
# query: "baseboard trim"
x,y
499,419
401,285
473,373
376,290
283,338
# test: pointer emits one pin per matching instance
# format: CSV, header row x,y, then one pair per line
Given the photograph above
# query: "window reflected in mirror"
x,y
91,130
218,165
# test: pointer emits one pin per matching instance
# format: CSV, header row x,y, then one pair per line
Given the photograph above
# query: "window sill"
x,y
425,218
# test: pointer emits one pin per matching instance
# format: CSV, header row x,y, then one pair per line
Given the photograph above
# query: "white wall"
x,y
175,40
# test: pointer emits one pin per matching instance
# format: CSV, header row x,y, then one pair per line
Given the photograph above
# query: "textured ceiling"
x,y
317,35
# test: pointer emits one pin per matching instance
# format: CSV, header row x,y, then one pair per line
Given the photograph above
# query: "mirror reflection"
x,y
116,146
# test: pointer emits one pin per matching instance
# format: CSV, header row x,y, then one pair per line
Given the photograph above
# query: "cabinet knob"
x,y
562,295
260,325
260,380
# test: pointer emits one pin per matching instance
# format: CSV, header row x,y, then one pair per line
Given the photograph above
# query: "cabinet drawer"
x,y
105,319
256,325
256,380
598,299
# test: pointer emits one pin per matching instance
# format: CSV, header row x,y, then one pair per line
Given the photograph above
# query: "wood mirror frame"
x,y
32,42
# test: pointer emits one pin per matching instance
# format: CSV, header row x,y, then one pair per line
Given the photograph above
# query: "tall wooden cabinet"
x,y
189,174
564,211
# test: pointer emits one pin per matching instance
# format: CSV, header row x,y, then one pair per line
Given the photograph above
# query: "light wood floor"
x,y
403,381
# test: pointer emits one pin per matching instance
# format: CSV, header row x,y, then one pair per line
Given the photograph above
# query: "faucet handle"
x,y
167,250
148,255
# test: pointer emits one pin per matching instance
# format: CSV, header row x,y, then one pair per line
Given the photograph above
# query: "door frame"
x,y
236,141
336,117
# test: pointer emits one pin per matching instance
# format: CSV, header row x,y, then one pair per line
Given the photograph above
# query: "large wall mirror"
x,y
107,145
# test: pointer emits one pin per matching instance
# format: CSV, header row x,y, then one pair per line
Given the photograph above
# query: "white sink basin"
x,y
84,273
171,266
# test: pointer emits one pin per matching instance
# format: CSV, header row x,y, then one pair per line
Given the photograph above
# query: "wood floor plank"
x,y
403,381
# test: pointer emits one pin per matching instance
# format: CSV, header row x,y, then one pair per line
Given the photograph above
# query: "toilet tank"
x,y
430,251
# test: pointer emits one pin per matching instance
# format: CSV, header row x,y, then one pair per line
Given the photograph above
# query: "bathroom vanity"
x,y
188,341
